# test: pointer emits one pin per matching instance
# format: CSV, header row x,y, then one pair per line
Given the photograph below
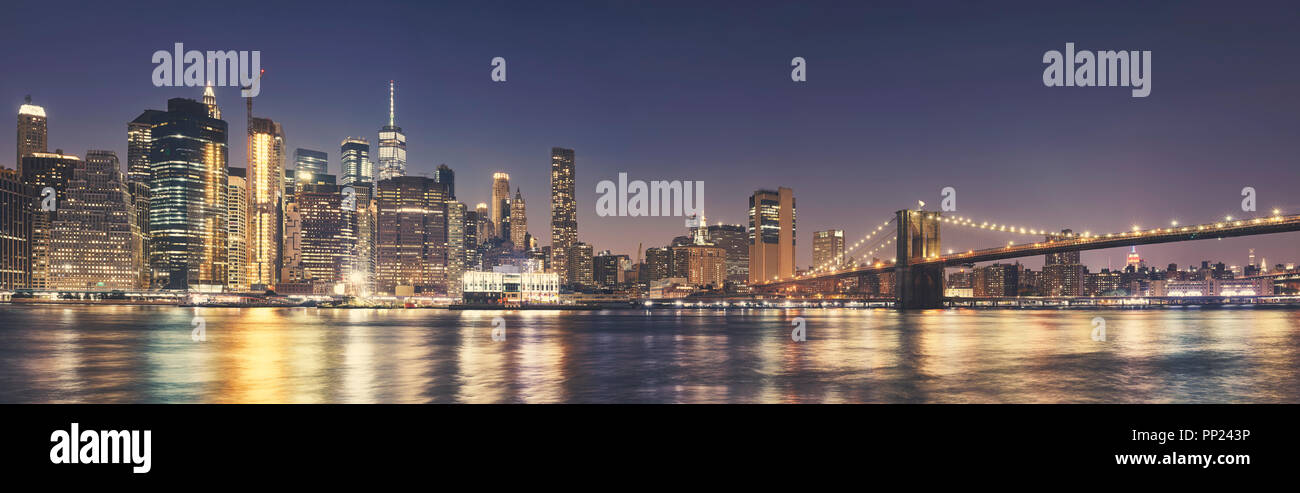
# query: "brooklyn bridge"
x,y
915,273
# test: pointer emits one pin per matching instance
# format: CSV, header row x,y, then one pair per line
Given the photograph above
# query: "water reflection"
x,y
145,354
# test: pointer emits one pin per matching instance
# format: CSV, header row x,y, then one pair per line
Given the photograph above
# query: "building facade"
x,y
828,249
564,212
355,158
265,201
92,242
45,172
518,222
16,205
771,235
411,239
33,131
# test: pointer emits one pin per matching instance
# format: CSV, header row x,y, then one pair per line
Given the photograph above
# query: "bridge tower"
x,y
918,286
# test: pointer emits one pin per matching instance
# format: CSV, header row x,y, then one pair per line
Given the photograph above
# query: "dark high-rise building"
x,y
472,242
447,178
392,142
93,243
16,205
310,161
44,171
771,235
139,137
564,213
411,235
33,132
658,264
187,206
607,269
734,239
355,159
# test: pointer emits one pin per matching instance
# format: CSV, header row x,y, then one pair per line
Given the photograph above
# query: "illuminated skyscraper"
x,y
42,170
187,205
392,143
500,205
92,244
456,244
518,222
357,167
771,234
828,249
265,201
328,233
237,230
581,257
362,278
139,136
485,231
310,161
33,133
564,212
411,237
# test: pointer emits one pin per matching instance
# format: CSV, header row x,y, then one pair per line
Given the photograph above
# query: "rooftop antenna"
x,y
391,88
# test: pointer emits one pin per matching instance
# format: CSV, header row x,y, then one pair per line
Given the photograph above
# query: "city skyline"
x,y
1141,162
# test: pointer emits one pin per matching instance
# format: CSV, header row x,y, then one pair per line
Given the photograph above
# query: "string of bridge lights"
x,y
831,265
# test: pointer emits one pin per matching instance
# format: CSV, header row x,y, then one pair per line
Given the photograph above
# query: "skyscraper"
x,y
42,170
447,178
828,249
187,205
500,204
357,167
733,239
392,143
564,212
92,244
265,201
328,233
311,161
411,237
771,234
362,277
139,136
16,199
581,256
518,223
33,133
237,230
455,246
485,231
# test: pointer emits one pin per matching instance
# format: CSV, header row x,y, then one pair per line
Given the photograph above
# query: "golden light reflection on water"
x,y
145,354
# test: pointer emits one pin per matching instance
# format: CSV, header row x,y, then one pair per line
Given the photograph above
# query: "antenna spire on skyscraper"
x,y
391,120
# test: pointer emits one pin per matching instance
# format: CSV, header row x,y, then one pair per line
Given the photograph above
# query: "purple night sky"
x,y
899,103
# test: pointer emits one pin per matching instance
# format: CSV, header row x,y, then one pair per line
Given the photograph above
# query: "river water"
x,y
145,354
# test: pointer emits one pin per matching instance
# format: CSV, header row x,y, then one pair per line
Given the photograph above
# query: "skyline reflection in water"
x,y
133,354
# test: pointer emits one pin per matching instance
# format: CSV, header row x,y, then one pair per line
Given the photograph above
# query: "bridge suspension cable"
x,y
881,233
